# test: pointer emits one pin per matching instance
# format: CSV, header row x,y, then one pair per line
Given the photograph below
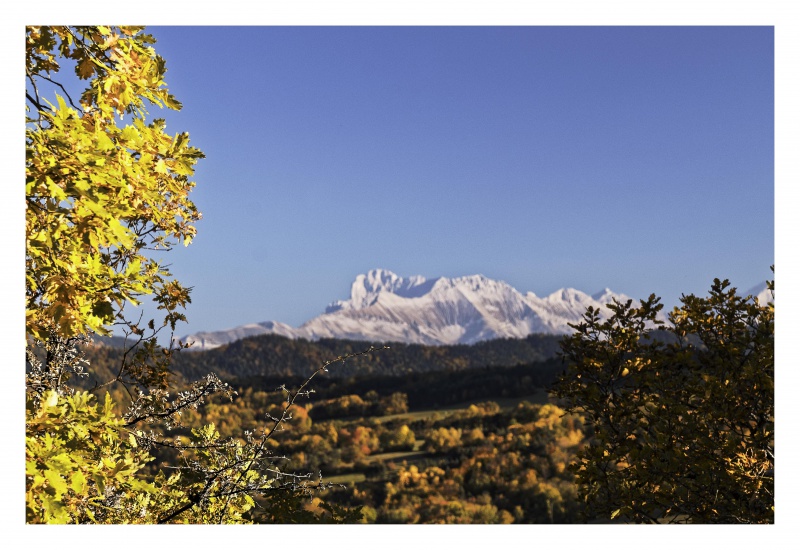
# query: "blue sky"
x,y
635,158
661,186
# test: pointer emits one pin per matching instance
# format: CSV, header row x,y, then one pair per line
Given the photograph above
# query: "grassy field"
x,y
346,478
538,398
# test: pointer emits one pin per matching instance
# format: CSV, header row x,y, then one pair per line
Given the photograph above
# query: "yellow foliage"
x,y
99,191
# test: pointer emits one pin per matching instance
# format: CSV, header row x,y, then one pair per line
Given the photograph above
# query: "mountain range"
x,y
384,307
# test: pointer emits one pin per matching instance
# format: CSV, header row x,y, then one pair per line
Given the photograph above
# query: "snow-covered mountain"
x,y
384,307
762,293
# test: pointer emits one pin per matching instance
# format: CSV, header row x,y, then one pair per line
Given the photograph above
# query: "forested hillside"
x,y
633,417
272,355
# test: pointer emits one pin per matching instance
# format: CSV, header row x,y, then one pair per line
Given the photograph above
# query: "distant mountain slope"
x,y
384,307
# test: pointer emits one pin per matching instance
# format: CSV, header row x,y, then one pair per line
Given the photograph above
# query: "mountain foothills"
x,y
452,423
384,307
283,359
491,325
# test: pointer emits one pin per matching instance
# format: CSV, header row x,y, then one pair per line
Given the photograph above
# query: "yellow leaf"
x,y
104,143
52,399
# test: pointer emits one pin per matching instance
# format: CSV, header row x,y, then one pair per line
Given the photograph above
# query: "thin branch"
x,y
292,396
63,90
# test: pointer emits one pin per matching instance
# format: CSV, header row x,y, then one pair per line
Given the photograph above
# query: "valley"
x,y
409,434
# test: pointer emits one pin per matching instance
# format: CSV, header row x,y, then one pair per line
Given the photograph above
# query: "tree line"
x,y
671,421
277,356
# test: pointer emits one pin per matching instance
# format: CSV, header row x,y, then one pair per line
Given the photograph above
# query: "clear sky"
x,y
639,159
635,158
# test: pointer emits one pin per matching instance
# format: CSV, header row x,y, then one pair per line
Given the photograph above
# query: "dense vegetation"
x,y
668,425
272,360
684,416
478,463
105,187
426,447
277,356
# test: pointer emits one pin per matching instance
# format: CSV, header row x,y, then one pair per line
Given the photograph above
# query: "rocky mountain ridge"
x,y
384,307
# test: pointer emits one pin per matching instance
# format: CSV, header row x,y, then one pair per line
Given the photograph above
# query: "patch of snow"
x,y
385,307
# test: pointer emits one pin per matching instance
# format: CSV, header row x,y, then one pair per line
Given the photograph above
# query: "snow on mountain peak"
x,y
383,280
762,293
605,296
569,297
462,310
367,287
601,294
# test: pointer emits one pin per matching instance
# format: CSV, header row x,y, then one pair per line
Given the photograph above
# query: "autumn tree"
x,y
682,411
401,438
106,189
396,403
444,440
104,186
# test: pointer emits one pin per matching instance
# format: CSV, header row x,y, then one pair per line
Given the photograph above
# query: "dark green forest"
x,y
279,357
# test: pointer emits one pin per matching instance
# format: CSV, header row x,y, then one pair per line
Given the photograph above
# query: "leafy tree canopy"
x,y
683,413
103,184
105,187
